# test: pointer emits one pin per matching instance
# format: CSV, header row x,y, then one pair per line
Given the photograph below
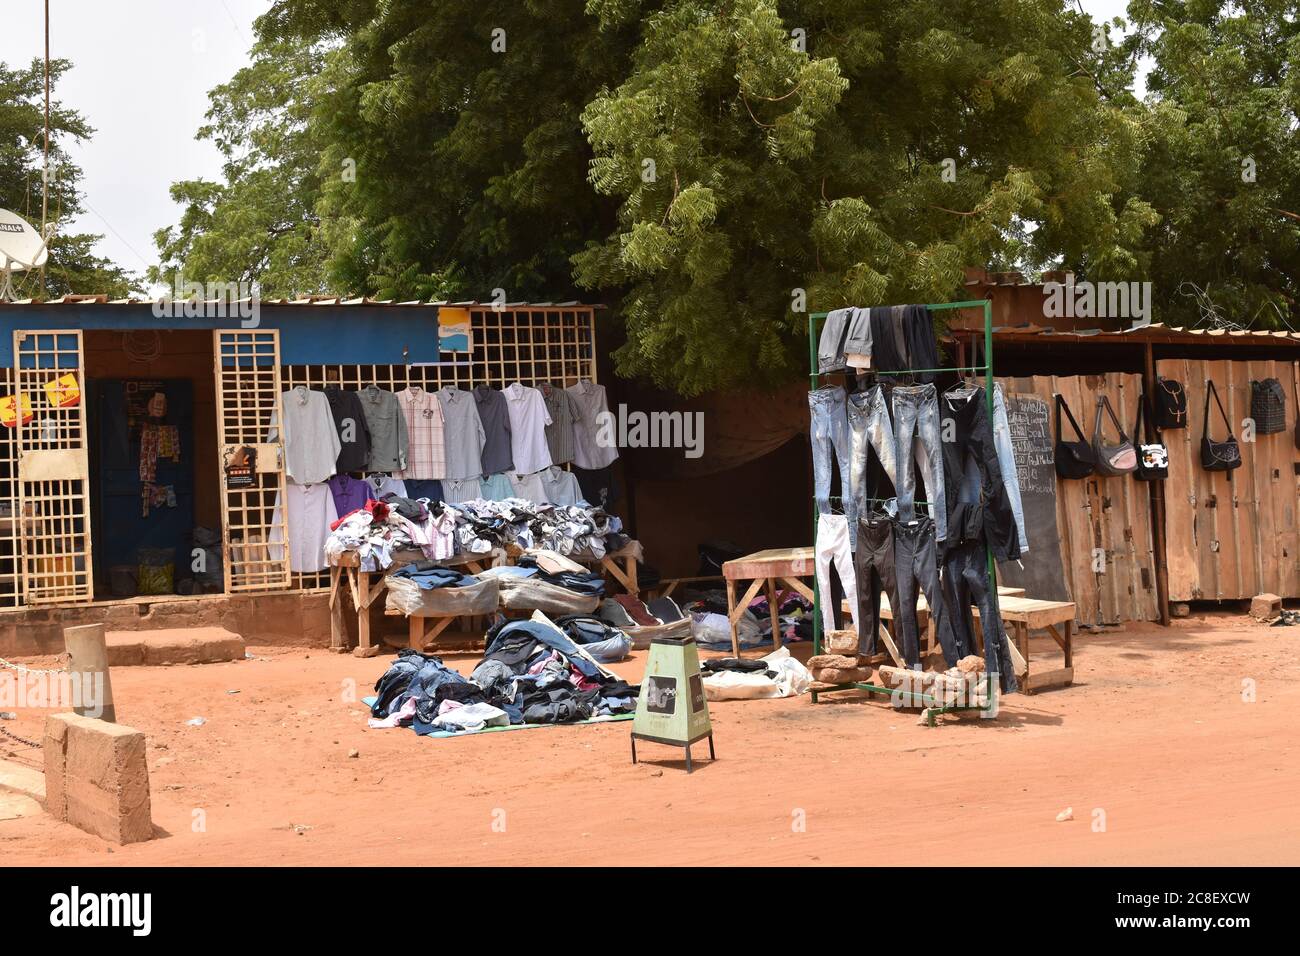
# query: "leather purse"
x,y
1153,459
1111,460
1074,459
1171,404
1218,455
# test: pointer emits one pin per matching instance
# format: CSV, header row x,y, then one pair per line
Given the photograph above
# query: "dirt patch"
x,y
1159,748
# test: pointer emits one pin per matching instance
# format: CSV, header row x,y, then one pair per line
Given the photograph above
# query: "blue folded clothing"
x,y
431,578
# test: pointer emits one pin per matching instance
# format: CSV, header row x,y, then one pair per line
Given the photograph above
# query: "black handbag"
x,y
1218,455
1074,459
1268,406
1171,404
1111,459
1153,460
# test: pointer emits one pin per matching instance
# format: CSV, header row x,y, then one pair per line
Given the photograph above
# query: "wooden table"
x,y
366,588
765,569
1027,614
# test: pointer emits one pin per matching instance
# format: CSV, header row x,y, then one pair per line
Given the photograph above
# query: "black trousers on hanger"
x,y
873,565
966,582
916,567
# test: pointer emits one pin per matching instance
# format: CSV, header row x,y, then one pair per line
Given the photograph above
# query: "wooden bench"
x,y
766,569
924,624
1022,615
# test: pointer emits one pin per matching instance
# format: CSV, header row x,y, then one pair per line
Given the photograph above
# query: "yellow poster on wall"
x,y
9,406
64,391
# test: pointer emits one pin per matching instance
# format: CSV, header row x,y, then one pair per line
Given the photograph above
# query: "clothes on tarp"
x,y
779,675
426,575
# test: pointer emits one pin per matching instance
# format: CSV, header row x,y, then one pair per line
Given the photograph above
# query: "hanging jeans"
x,y
833,548
916,566
830,435
869,423
916,436
966,582
874,564
1007,461
830,347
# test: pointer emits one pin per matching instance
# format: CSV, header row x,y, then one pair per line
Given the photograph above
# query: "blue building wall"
x,y
309,335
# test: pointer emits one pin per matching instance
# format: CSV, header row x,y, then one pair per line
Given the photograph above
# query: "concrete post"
x,y
88,655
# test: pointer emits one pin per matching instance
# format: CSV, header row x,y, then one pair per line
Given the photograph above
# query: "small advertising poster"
x,y
454,330
64,391
9,409
240,465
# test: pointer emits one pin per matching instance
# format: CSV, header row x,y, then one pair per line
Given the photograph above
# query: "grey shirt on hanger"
x,y
559,433
388,439
495,416
462,433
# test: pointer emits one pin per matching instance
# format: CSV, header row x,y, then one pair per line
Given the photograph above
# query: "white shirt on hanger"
x,y
310,513
311,443
528,421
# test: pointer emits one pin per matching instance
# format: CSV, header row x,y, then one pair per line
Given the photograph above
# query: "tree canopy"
x,y
72,265
714,171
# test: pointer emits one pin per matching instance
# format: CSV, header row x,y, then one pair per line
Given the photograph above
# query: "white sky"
x,y
141,73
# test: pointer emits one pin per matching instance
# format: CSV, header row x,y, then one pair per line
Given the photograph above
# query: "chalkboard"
x,y
1042,576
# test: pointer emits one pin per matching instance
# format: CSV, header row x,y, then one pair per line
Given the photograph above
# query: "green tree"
x,y
1223,165
260,223
858,152
73,266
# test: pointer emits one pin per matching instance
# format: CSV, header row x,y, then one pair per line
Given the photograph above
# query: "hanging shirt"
x,y
349,493
560,486
559,433
462,432
492,412
309,515
381,485
426,456
311,445
592,408
350,423
456,490
528,421
528,487
387,428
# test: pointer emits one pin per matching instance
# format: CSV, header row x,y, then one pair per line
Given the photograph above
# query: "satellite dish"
x,y
21,248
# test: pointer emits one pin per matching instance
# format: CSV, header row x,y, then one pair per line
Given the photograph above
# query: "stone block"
x,y
96,778
1265,607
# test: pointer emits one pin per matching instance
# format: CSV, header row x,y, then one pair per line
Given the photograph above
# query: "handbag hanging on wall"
x,y
1153,460
1074,459
1268,406
1171,404
1218,455
1111,459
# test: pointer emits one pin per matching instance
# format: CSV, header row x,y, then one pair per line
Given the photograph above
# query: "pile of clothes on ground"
x,y
712,630
737,678
531,673
439,530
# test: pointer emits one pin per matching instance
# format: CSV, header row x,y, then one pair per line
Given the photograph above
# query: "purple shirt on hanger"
x,y
349,493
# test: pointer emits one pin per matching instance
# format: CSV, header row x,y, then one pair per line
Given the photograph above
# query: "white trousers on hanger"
x,y
833,547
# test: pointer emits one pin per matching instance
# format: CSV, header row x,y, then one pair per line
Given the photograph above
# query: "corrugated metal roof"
x,y
311,300
1156,332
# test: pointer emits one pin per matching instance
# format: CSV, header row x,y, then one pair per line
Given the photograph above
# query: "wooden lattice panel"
x,y
247,365
53,493
11,592
528,345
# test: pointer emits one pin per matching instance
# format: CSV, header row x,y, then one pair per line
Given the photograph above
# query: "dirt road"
x,y
1158,749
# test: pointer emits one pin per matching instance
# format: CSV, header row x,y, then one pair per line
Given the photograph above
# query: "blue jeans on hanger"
x,y
916,436
966,582
830,434
869,423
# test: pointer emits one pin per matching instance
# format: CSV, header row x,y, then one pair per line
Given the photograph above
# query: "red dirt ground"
x,y
1155,734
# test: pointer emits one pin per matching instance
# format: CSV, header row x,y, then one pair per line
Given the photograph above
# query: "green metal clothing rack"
x,y
932,706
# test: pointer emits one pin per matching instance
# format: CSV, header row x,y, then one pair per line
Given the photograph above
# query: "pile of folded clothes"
x,y
531,673
380,528
427,589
